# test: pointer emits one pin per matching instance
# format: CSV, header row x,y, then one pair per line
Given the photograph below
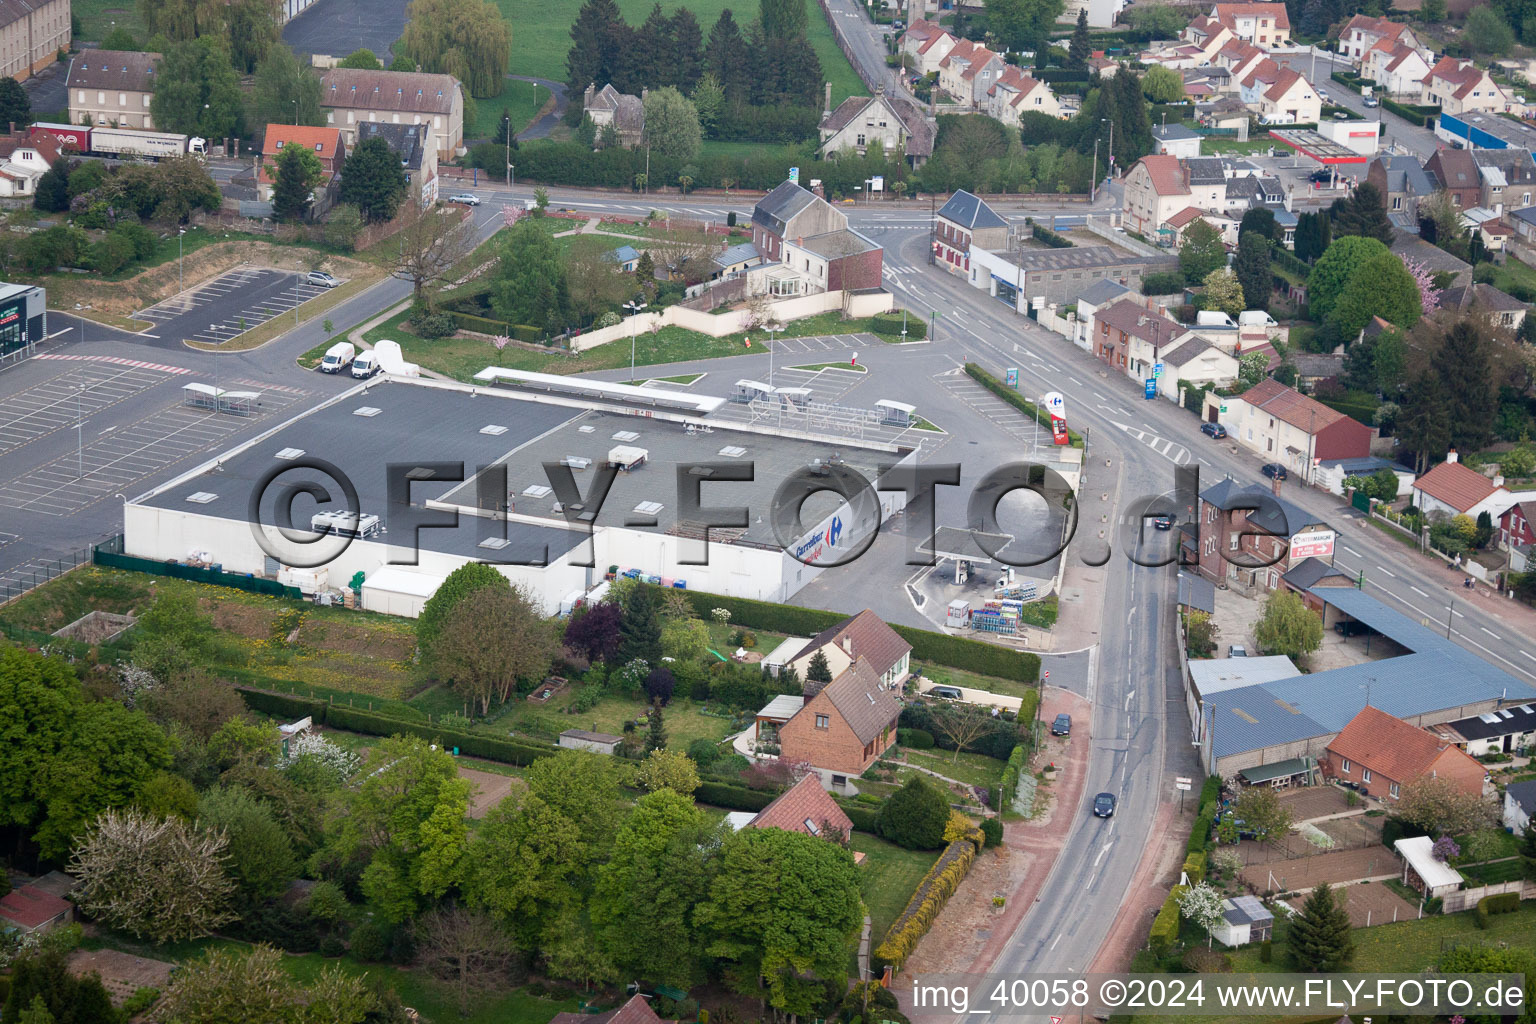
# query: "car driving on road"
x,y
1371,101
465,198
1104,805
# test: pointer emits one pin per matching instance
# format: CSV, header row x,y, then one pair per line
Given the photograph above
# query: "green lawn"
x,y
1514,272
98,17
685,720
541,37
974,769
960,677
818,367
720,638
1225,144
522,100
887,878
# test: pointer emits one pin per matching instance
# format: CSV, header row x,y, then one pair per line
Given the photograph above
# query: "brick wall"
x,y
834,747
856,272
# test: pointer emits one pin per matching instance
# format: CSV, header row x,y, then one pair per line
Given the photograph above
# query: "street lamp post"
x,y
1093,188
507,123
634,311
295,113
771,328
181,281
80,390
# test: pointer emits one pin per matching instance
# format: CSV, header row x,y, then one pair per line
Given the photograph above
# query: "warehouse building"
x,y
516,443
23,321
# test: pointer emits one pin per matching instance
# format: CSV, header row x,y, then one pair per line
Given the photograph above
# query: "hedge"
x,y
472,745
1165,928
1418,116
1348,81
282,705
893,324
917,739
1503,903
1200,836
864,819
1010,783
1049,237
1163,283
1014,399
485,325
736,798
955,652
1194,867
937,886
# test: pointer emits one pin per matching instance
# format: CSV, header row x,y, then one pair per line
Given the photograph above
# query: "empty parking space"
x,y
84,390
113,461
229,305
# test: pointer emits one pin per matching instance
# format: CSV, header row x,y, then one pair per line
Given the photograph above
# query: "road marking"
x,y
1416,590
1389,572
1128,698
1491,633
1053,946
1353,553
1529,655
1102,851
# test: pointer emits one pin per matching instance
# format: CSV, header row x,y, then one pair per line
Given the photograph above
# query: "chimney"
x,y
587,96
1451,456
826,104
1498,480
848,645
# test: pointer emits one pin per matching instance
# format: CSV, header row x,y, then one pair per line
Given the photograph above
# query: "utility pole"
x,y
1093,188
508,122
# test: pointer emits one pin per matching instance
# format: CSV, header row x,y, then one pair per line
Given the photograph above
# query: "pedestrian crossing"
x,y
137,364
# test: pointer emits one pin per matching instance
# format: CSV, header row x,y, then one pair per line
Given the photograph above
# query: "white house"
x,y
927,44
1280,95
1519,804
1015,93
1364,33
1459,87
1398,70
24,165
1264,25
968,72
1194,362
1454,489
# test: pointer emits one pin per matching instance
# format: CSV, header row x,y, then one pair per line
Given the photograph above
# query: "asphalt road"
x,y
864,37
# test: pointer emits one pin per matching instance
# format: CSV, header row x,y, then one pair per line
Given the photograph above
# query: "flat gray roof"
x,y
1076,258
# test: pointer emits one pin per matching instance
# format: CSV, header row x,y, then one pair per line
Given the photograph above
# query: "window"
x,y
1366,775
822,722
1233,541
840,781
1345,766
1393,789
122,99
1397,202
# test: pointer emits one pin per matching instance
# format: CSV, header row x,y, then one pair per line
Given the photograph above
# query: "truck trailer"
x,y
120,142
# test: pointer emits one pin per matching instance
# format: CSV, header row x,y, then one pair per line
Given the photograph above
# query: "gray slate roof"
x,y
1103,291
1524,794
1197,592
1205,170
1406,175
970,212
113,69
407,141
774,211
1188,351
1511,721
1309,571
738,254
1485,295
1277,515
1174,132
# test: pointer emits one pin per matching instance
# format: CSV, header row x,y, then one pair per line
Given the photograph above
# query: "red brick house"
x,y
1456,172
1382,755
325,143
845,727
806,807
1517,526
1131,338
1250,546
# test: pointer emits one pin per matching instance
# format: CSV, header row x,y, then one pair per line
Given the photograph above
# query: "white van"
x,y
365,366
338,357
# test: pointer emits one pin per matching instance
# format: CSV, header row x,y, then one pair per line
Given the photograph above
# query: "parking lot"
x,y
228,306
115,459
81,393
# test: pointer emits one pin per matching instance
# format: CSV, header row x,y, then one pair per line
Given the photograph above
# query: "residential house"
x,y
1207,35
1131,337
1282,425
1397,70
636,1011
864,635
1331,473
32,35
1264,25
1508,178
863,121
609,108
967,73
1460,87
844,726
1282,96
1194,362
111,87
1502,309
1363,33
1517,525
1455,171
1250,537
1171,234
734,260
1101,13
1157,187
1402,183
324,142
1454,489
1103,65
1018,277
835,261
1176,141
24,162
1015,94
1240,59
927,44
1096,296
1383,754
965,223
1491,228
412,143
31,909
1509,730
352,98
1524,223
789,212
625,257
808,808
1519,805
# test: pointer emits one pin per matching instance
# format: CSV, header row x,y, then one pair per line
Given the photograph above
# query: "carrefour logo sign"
x,y
810,548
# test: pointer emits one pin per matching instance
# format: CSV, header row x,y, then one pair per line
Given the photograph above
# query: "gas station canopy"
x,y
1319,147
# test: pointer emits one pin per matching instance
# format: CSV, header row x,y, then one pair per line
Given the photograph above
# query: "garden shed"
x,y
1424,871
1243,920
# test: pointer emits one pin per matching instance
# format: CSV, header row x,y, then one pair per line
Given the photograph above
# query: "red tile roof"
x,y
30,907
1283,83
1291,406
866,706
1168,177
636,1011
1188,215
325,142
1463,74
1390,746
1456,485
804,807
864,635
1228,14
1374,26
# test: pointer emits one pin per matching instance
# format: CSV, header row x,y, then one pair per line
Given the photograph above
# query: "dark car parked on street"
x,y
1275,471
1215,430
1062,726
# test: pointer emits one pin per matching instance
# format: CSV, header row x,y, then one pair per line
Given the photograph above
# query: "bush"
x,y
484,325
434,325
1194,867
1207,961
917,739
704,752
865,819
1049,237
991,832
915,816
1162,284
1165,928
331,947
928,899
1014,399
735,798
891,325
1266,951
283,705
1010,781
471,744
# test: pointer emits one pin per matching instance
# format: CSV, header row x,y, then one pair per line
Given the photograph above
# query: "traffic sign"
x,y
1151,387
1047,675
1157,369
1011,377
1055,1020
1181,786
794,175
1183,779
1223,408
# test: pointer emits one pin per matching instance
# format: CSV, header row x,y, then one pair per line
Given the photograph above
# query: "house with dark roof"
x,y
844,727
625,257
1517,525
964,223
609,108
895,125
32,35
1175,140
412,143
1249,537
734,260
1193,362
1402,183
864,635
636,1011
843,260
791,212
1132,338
111,87
1519,805
351,98
1383,755
1455,171
806,807
1508,177
1502,309
1314,572
1331,473
1282,425
1505,731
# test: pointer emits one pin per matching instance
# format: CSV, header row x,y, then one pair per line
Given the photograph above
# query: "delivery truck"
x,y
338,357
121,142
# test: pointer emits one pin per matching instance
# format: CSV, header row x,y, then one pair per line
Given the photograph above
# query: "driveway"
x,y
46,91
541,127
338,27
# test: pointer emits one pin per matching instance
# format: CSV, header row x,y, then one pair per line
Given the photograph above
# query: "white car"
x,y
465,198
320,279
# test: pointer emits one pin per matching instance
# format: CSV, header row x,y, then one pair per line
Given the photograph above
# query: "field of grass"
x,y
1514,272
522,100
887,879
947,676
685,721
541,37
974,769
720,638
98,17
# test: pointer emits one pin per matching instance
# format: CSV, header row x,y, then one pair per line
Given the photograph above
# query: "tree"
x,y
643,897
343,226
1262,220
361,60
1262,813
1464,367
584,788
1441,807
493,642
1528,849
1023,24
1380,286
1487,33
600,41
659,684
596,282
593,631
685,62
1201,252
529,276
656,731
1252,269
120,39
402,62
432,242
1200,634
250,986
1288,627
1364,214
373,180
524,865
727,58
253,31
1424,425
669,769
1440,220
1163,85
285,91
640,630
52,195
1202,904
684,639
1223,292
259,854
961,724
466,949
1081,47
298,173
1433,11
672,124
818,671
198,91
468,39
15,104
708,100
43,990
1320,935
783,907
914,816
157,878
1313,235
467,579
1252,368
1333,269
